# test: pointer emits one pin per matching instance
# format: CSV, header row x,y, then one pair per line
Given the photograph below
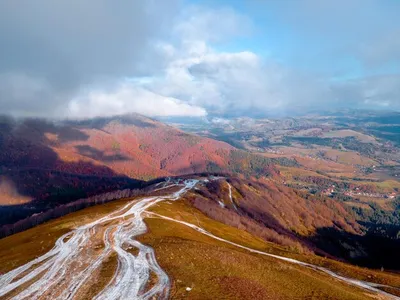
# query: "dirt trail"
x,y
61,272
65,270
369,286
230,196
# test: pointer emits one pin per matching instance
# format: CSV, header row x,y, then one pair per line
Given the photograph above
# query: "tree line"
x,y
64,209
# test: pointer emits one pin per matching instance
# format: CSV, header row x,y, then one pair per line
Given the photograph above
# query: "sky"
x,y
161,58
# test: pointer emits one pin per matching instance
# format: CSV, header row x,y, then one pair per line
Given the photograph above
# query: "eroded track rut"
x,y
67,270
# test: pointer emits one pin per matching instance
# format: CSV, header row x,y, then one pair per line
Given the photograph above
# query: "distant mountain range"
x,y
43,163
316,189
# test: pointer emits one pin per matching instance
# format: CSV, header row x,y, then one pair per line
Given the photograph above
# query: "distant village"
x,y
332,190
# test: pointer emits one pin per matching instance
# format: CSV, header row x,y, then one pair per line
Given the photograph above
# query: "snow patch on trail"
x,y
63,270
230,196
370,286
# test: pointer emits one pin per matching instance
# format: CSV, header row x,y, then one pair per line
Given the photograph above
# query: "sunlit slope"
x,y
43,164
198,266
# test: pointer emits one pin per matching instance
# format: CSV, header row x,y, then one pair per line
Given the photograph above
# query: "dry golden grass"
x,y
349,133
174,240
348,157
290,172
23,247
212,269
216,271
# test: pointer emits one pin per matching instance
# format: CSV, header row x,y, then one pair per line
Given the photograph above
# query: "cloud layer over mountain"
x,y
90,58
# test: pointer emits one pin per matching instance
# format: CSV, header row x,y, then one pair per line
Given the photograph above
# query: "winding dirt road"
x,y
65,271
61,272
369,286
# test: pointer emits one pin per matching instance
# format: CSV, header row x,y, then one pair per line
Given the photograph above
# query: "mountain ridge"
x,y
45,163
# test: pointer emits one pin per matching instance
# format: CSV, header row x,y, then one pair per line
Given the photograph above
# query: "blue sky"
x,y
291,32
193,57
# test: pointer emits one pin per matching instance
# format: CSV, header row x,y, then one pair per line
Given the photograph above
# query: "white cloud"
x,y
198,23
127,98
50,49
243,83
25,95
78,56
236,83
375,91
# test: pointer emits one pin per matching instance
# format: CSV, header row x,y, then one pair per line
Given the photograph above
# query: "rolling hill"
x,y
167,245
44,163
239,199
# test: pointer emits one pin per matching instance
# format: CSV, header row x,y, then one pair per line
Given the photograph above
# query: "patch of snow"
x,y
370,286
59,278
230,196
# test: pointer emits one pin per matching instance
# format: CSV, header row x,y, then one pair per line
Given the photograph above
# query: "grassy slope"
x,y
216,271
211,268
381,186
181,210
20,248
